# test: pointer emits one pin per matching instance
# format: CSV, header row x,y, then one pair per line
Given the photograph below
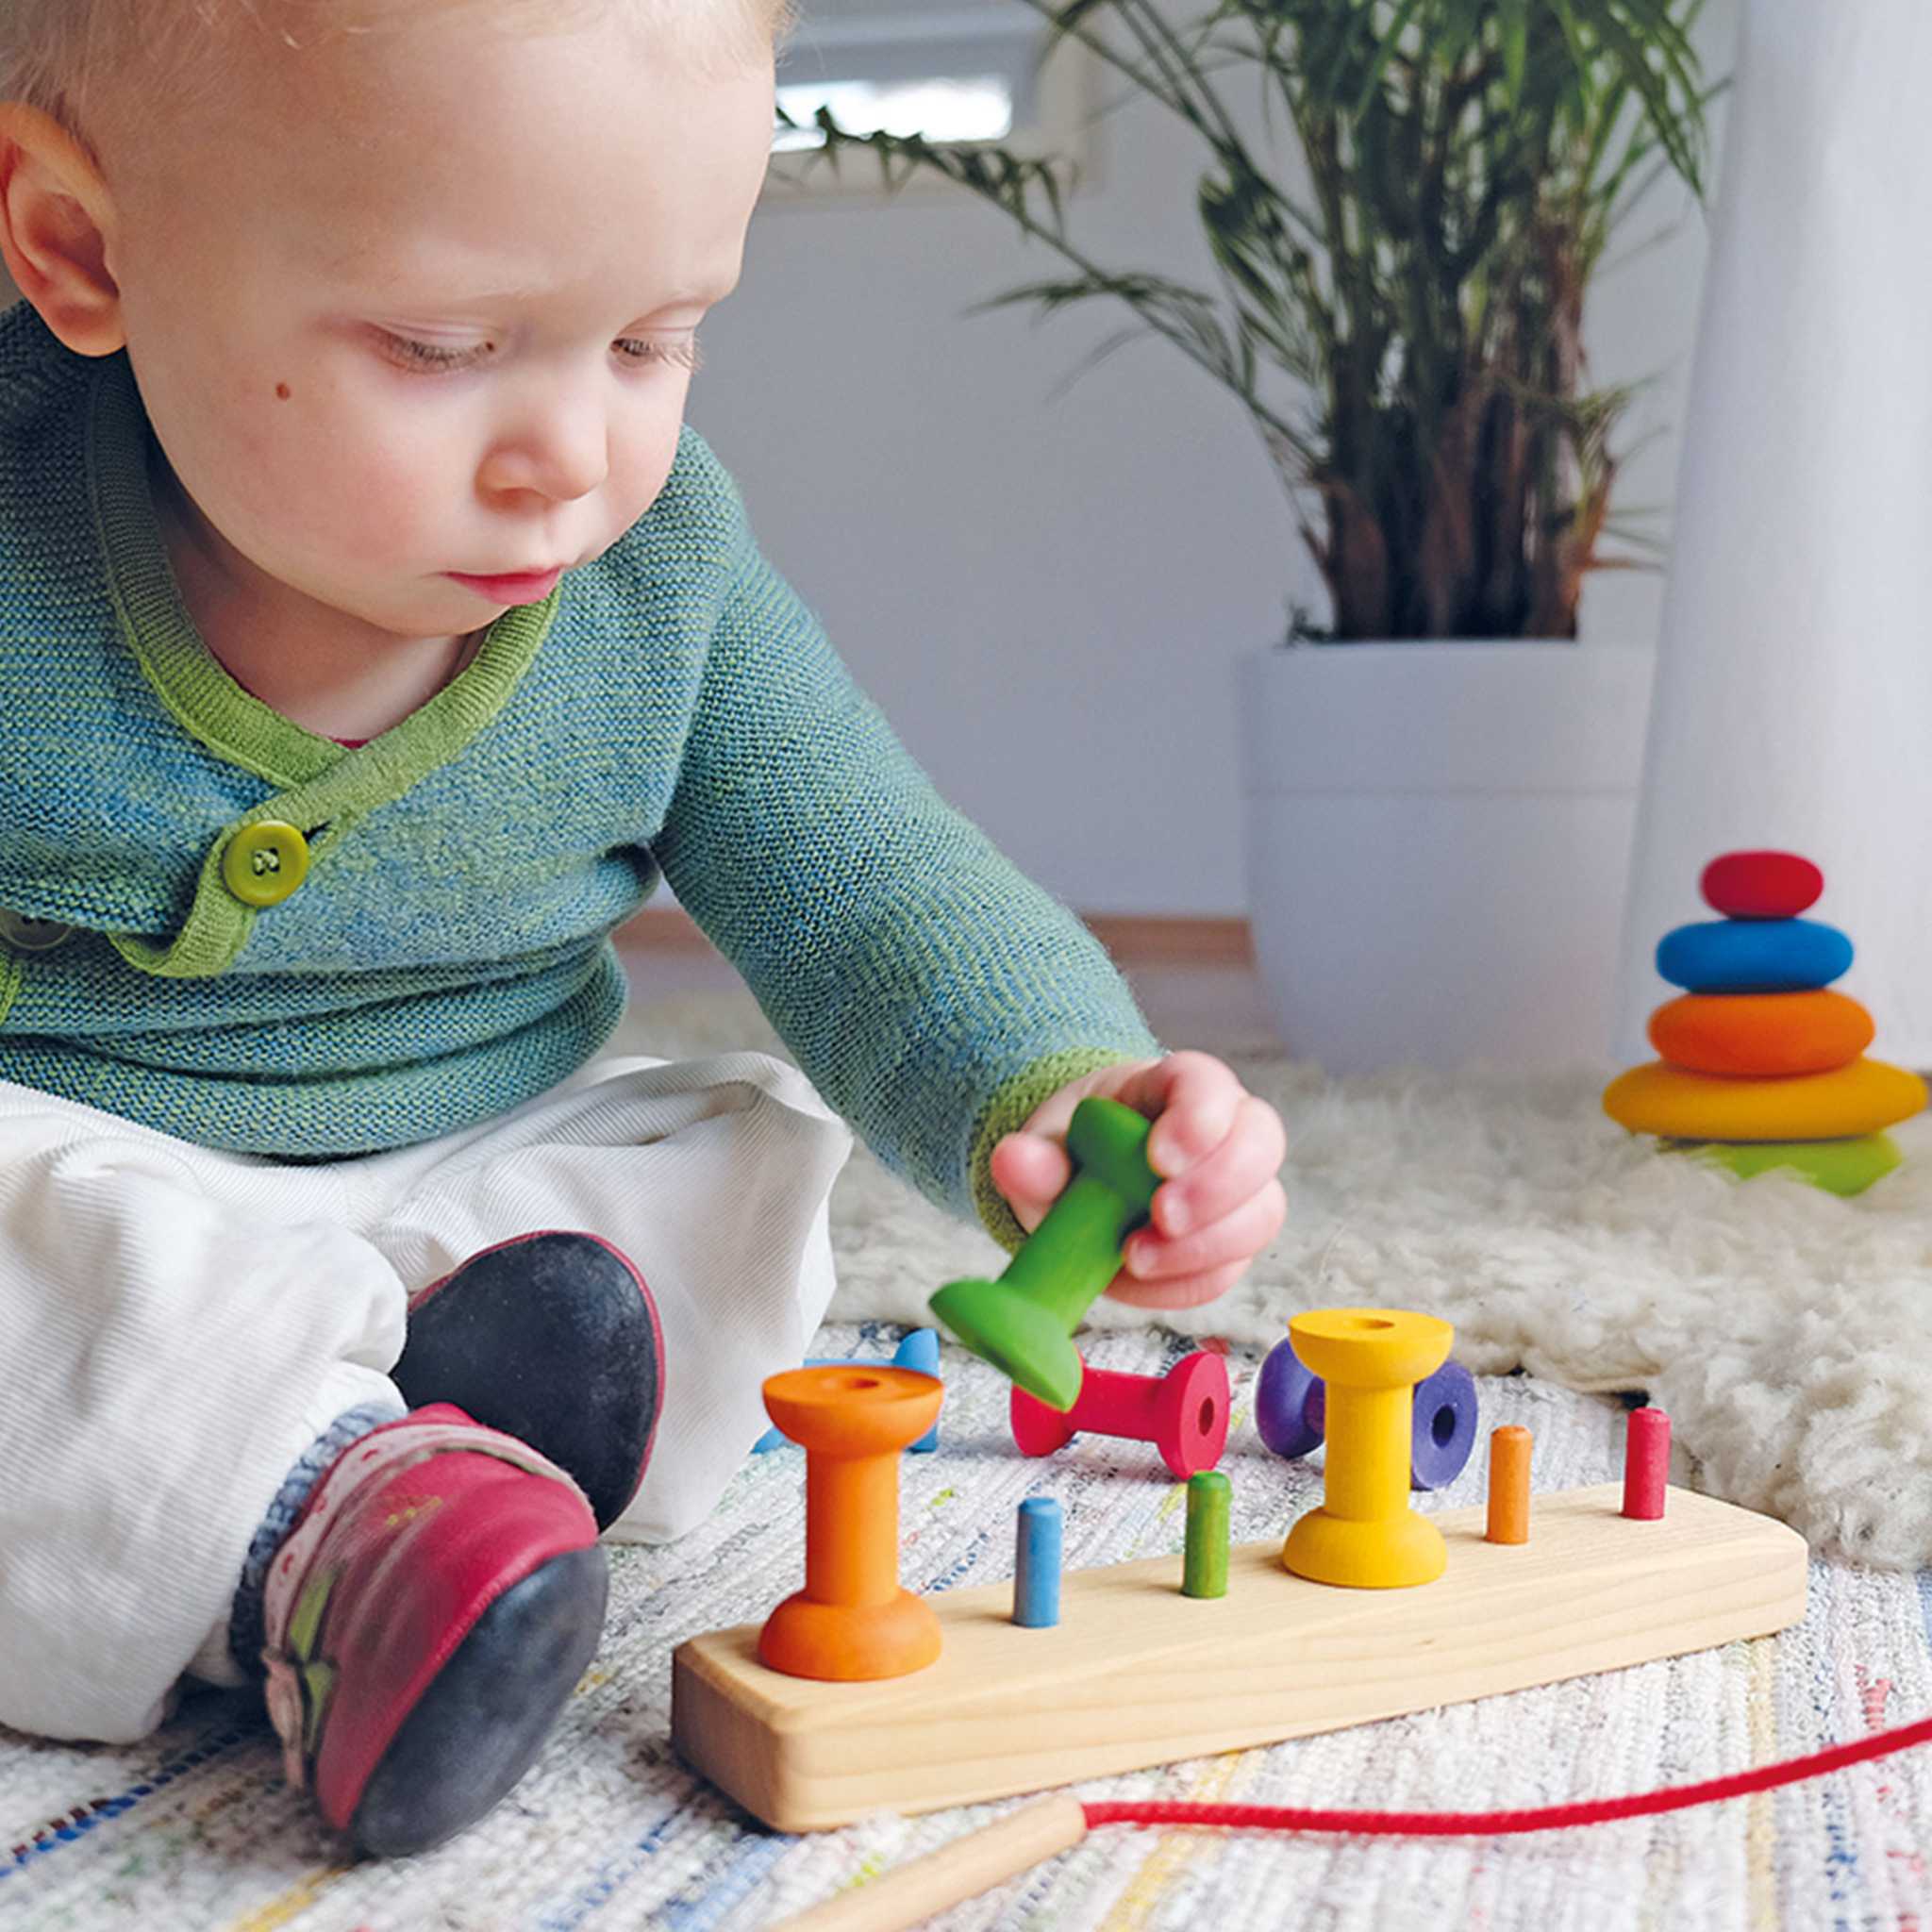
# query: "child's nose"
x,y
562,454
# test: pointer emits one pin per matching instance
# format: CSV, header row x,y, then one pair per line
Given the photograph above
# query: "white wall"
x,y
1045,588
1046,595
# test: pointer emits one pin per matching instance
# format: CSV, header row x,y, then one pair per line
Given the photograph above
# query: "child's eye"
x,y
415,355
433,357
683,352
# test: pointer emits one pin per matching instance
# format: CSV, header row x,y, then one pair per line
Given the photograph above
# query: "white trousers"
x,y
176,1325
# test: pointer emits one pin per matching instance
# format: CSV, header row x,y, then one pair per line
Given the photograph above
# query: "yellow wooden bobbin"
x,y
1364,1535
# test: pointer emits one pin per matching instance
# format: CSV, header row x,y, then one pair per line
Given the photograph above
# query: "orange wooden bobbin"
x,y
1509,1485
851,1622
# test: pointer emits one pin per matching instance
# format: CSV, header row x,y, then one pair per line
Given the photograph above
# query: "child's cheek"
x,y
642,458
359,477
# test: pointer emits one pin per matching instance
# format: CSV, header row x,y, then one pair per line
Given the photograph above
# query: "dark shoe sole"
x,y
552,1338
480,1724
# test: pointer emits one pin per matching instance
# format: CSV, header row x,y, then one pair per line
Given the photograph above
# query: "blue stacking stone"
x,y
1753,955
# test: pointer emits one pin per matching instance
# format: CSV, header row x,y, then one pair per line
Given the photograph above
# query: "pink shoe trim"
x,y
371,1459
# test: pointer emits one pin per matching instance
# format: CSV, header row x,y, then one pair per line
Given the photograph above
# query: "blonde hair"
x,y
55,54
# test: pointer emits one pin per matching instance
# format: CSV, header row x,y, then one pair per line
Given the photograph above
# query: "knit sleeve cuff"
x,y
1007,1111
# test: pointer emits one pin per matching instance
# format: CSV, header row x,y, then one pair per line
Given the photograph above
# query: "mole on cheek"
x,y
282,391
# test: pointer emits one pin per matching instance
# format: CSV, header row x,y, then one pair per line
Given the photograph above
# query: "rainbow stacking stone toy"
x,y
1760,1064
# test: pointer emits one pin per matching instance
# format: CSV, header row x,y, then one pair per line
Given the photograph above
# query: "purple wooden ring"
x,y
1444,1427
1282,1398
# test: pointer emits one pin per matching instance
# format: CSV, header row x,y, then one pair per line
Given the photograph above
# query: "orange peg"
x,y
851,1622
1509,1485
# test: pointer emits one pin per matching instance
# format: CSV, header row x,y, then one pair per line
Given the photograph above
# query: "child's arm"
x,y
934,995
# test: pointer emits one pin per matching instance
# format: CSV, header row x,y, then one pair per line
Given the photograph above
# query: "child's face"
x,y
422,303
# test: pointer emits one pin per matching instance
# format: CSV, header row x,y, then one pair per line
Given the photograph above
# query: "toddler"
x,y
373,637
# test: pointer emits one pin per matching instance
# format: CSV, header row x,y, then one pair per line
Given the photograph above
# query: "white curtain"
x,y
1794,699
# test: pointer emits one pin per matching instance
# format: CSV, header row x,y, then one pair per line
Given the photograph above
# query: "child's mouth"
x,y
526,587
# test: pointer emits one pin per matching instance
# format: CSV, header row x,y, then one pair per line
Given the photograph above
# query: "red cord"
x,y
1497,1823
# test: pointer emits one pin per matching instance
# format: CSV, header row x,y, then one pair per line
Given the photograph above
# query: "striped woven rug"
x,y
192,1829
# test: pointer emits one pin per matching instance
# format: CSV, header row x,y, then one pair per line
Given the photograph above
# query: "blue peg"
x,y
1037,1565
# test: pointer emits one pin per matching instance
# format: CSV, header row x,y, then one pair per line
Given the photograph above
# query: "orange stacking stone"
x,y
1761,1034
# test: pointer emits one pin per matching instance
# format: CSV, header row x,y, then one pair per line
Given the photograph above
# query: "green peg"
x,y
1204,1561
1023,1322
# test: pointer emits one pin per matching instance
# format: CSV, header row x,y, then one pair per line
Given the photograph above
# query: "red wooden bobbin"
x,y
1183,1413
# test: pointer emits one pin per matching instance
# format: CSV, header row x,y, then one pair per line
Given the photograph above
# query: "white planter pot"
x,y
1439,841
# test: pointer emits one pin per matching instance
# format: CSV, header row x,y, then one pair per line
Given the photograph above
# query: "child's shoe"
x,y
427,1617
552,1338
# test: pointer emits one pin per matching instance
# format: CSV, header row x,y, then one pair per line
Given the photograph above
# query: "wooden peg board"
x,y
1135,1673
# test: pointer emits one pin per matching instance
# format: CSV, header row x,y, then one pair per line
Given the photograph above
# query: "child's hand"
x,y
1217,1148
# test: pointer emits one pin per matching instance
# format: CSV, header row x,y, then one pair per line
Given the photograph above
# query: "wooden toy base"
x,y
1135,1673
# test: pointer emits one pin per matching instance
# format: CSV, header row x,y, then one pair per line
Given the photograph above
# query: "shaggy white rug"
x,y
1787,1332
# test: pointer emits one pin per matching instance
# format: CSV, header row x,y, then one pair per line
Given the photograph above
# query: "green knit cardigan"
x,y
671,709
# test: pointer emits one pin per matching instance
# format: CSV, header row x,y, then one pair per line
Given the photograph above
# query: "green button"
x,y
26,935
265,862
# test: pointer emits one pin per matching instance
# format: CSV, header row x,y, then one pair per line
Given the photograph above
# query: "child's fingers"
x,y
1184,1291
1192,1099
1233,1173
1030,1170
1055,1114
1236,1237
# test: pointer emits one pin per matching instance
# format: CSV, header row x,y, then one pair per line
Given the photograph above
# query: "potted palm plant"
x,y
1441,780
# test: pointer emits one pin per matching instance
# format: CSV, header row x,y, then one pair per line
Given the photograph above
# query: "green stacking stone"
x,y
1840,1166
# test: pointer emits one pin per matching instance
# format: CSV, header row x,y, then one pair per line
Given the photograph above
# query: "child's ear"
x,y
55,218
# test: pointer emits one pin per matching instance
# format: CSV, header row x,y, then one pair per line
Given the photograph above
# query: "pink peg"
x,y
1183,1413
1647,1463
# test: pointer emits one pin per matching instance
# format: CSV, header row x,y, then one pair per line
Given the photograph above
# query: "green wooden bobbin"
x,y
1023,1322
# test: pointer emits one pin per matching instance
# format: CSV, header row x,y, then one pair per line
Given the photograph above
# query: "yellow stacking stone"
x,y
1761,1034
1859,1099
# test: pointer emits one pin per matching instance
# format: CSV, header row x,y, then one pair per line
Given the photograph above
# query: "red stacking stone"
x,y
1761,885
